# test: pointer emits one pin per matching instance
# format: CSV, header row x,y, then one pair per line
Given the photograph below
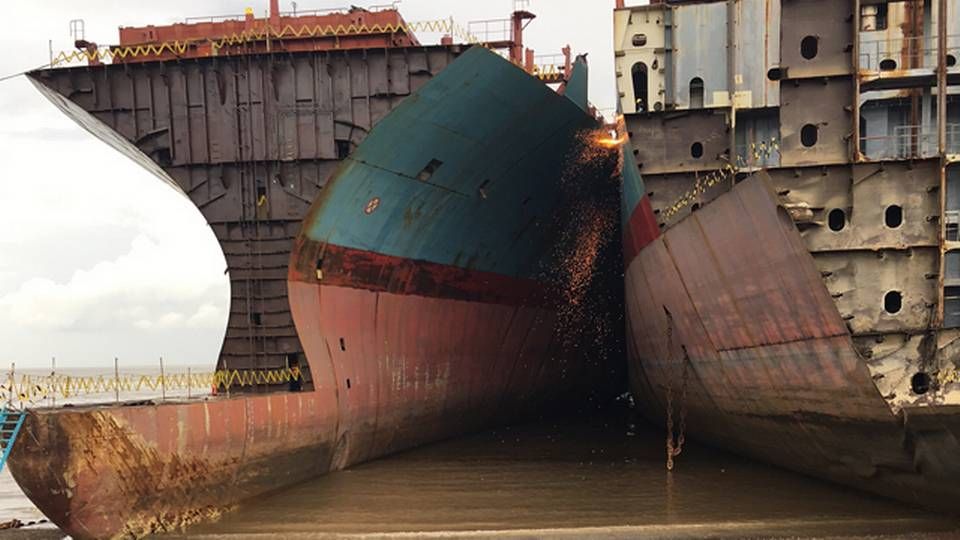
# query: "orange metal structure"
x,y
355,28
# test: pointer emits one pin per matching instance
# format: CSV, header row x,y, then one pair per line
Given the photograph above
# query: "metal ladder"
x,y
10,423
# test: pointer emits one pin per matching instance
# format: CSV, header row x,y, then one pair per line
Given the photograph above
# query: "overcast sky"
x,y
100,259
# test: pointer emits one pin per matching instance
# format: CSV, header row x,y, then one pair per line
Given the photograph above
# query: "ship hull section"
x,y
104,472
772,370
435,307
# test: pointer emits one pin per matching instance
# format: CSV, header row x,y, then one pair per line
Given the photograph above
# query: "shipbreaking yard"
x,y
497,278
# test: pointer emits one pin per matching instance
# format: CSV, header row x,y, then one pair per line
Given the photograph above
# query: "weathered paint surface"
x,y
421,302
422,266
775,374
126,471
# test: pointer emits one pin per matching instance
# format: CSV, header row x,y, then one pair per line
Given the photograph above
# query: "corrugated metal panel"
x,y
701,35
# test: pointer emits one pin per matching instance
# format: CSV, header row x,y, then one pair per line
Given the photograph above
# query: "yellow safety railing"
x,y
548,71
757,150
27,389
264,33
447,26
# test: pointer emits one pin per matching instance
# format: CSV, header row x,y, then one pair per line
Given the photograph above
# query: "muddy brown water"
x,y
583,478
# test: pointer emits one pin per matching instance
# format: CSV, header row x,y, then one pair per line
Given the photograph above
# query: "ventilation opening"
x,y
482,190
893,302
809,135
696,150
639,40
639,72
888,64
920,383
343,345
293,361
893,216
348,384
256,319
428,171
343,149
775,74
696,93
809,47
951,60
837,220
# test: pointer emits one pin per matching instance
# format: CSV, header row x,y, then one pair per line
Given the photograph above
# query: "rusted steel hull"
x,y
127,471
772,371
434,308
427,304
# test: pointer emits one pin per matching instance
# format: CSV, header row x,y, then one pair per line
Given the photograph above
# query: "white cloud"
x,y
140,285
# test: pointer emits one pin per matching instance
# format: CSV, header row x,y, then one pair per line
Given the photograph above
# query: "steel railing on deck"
x,y
904,53
176,48
21,390
910,142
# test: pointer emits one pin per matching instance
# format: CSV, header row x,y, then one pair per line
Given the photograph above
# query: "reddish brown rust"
x,y
356,29
786,383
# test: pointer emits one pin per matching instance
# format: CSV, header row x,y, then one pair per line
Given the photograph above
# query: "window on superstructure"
x,y
837,220
953,204
951,307
640,94
893,302
893,216
696,93
696,150
883,11
809,47
809,135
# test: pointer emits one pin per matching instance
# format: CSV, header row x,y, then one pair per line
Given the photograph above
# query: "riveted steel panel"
x,y
830,25
822,104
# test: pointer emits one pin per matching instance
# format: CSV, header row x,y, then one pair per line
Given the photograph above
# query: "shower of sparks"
x,y
588,312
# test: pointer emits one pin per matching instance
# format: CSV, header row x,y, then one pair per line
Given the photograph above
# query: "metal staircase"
x,y
10,423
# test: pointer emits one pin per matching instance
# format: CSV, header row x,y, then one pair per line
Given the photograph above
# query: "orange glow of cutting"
x,y
610,142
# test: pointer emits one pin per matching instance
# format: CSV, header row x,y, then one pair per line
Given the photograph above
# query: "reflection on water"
x,y
587,477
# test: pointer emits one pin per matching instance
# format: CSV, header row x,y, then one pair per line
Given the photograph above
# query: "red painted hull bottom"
x,y
772,369
419,369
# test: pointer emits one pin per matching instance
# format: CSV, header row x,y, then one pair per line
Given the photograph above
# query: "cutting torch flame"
x,y
611,142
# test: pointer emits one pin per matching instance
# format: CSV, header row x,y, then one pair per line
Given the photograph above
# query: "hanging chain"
x,y
675,443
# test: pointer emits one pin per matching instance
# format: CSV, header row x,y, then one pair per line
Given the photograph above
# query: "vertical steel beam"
x,y
855,62
732,78
942,18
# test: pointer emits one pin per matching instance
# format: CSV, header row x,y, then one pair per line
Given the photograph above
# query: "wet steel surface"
x,y
575,478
